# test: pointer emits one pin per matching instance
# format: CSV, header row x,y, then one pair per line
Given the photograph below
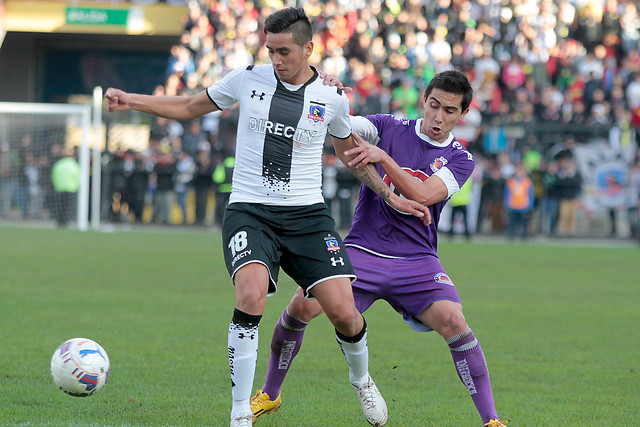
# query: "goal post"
x,y
96,160
29,135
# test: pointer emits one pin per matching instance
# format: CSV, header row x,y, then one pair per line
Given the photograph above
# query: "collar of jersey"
x,y
294,88
431,141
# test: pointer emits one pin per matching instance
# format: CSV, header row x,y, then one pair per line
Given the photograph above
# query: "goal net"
x,y
44,163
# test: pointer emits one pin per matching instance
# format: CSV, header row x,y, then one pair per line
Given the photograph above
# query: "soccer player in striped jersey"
x,y
276,215
394,255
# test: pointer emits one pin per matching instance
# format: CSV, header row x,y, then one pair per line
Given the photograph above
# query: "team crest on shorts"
x,y
332,244
443,278
316,113
438,164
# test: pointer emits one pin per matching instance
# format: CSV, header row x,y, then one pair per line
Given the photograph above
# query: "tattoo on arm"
x,y
372,179
368,175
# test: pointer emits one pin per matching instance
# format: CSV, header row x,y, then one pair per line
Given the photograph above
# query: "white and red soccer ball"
x,y
80,367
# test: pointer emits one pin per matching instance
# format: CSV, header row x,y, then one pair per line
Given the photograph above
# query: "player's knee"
x,y
347,322
457,320
453,322
303,309
251,298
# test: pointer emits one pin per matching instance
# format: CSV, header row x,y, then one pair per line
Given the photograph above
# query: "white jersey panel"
x,y
365,129
280,135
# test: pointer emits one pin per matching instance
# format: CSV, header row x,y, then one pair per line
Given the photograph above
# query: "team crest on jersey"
x,y
316,113
332,244
438,164
443,278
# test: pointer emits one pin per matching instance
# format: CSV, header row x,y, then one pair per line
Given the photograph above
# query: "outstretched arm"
x,y
171,107
431,191
368,175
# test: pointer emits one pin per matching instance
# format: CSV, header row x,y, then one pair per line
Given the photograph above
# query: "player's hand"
x,y
411,207
365,153
333,81
116,99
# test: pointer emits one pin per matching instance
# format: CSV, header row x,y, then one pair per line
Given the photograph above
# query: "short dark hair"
x,y
454,82
290,20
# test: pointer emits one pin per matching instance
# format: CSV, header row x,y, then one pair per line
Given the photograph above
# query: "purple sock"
x,y
285,344
472,371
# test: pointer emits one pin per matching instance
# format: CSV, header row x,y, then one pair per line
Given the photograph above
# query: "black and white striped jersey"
x,y
281,132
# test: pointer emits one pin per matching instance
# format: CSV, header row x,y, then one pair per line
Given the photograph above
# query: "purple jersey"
x,y
379,228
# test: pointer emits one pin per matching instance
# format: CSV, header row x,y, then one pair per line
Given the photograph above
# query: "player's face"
x,y
442,111
289,59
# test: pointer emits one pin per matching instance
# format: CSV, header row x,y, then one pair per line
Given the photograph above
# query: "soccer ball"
x,y
80,367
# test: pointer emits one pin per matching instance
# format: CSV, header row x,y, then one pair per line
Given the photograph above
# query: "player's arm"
x,y
171,107
368,175
432,190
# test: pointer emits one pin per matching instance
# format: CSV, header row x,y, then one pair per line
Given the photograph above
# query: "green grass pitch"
x,y
558,325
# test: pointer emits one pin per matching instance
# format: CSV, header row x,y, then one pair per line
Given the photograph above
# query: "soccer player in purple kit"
x,y
398,262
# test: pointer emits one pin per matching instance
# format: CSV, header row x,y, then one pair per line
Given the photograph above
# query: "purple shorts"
x,y
409,285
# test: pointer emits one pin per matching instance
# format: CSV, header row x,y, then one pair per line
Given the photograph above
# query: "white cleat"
x,y
242,421
373,404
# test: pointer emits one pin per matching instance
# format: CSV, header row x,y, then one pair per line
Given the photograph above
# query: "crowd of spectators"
x,y
546,74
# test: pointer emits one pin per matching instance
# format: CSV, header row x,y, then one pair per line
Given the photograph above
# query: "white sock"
x,y
356,352
243,355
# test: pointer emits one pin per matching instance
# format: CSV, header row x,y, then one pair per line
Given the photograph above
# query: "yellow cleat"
x,y
262,404
496,423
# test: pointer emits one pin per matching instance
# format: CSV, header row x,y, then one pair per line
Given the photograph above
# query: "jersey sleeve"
x,y
340,126
365,129
457,171
225,92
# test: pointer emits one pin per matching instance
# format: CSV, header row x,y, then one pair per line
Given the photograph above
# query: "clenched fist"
x,y
116,99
